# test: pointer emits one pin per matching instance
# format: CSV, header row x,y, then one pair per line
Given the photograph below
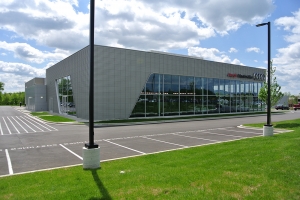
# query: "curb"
x,y
99,125
169,121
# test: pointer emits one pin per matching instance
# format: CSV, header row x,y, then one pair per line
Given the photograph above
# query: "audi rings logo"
x,y
260,77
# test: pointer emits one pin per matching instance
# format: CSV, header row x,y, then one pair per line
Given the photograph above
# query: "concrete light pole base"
x,y
268,130
91,158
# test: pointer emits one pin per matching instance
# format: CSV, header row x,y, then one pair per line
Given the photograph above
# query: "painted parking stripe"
x,y
20,125
124,147
10,169
6,125
1,129
164,142
199,138
31,123
13,125
71,152
223,134
251,128
26,124
246,132
36,120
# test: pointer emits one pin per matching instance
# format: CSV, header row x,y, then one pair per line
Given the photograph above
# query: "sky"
x,y
36,34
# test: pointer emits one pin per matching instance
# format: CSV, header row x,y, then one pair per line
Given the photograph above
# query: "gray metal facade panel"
x,y
29,83
77,67
121,74
40,98
39,81
29,92
37,94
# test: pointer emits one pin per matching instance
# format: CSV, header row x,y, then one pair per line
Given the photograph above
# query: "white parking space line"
x,y
246,132
20,125
165,142
251,128
124,147
225,128
1,129
6,125
10,169
31,123
13,125
35,121
26,124
71,152
199,138
223,134
41,122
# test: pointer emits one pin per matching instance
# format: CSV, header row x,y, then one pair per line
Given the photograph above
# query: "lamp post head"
x,y
258,25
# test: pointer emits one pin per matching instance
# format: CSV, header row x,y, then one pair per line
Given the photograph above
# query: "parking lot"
x,y
22,124
29,144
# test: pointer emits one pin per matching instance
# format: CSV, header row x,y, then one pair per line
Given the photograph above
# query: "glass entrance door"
x,y
64,106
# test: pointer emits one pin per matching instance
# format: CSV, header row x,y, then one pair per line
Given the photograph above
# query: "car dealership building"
x,y
130,83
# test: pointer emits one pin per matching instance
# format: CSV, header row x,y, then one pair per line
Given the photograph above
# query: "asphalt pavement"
x,y
28,144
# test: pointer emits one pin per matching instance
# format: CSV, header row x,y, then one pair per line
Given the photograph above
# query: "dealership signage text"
x,y
255,76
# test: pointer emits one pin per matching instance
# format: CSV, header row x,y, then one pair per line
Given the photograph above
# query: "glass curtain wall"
x,y
65,96
169,95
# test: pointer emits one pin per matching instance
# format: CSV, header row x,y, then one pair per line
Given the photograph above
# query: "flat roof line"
x,y
175,54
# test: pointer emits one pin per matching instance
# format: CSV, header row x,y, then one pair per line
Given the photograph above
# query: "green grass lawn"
x,y
55,118
39,113
253,168
51,118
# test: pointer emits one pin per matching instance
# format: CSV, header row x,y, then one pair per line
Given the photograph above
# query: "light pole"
x,y
91,143
268,128
91,151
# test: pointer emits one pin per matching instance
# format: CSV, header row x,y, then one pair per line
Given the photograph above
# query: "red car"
x,y
296,106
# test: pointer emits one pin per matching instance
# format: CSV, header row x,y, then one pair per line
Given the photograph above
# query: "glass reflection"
x,y
167,95
171,105
186,105
139,108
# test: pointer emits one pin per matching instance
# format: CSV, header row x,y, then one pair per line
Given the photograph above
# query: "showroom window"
x,y
174,95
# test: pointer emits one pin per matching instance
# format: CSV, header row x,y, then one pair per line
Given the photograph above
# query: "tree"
x,y
1,86
276,95
293,99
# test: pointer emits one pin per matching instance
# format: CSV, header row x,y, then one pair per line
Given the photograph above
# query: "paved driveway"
x,y
28,144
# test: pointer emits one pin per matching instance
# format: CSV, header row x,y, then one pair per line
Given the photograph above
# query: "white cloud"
x,y
50,64
13,83
160,25
222,16
21,69
291,24
14,75
41,20
254,49
287,60
232,50
31,54
212,54
3,54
